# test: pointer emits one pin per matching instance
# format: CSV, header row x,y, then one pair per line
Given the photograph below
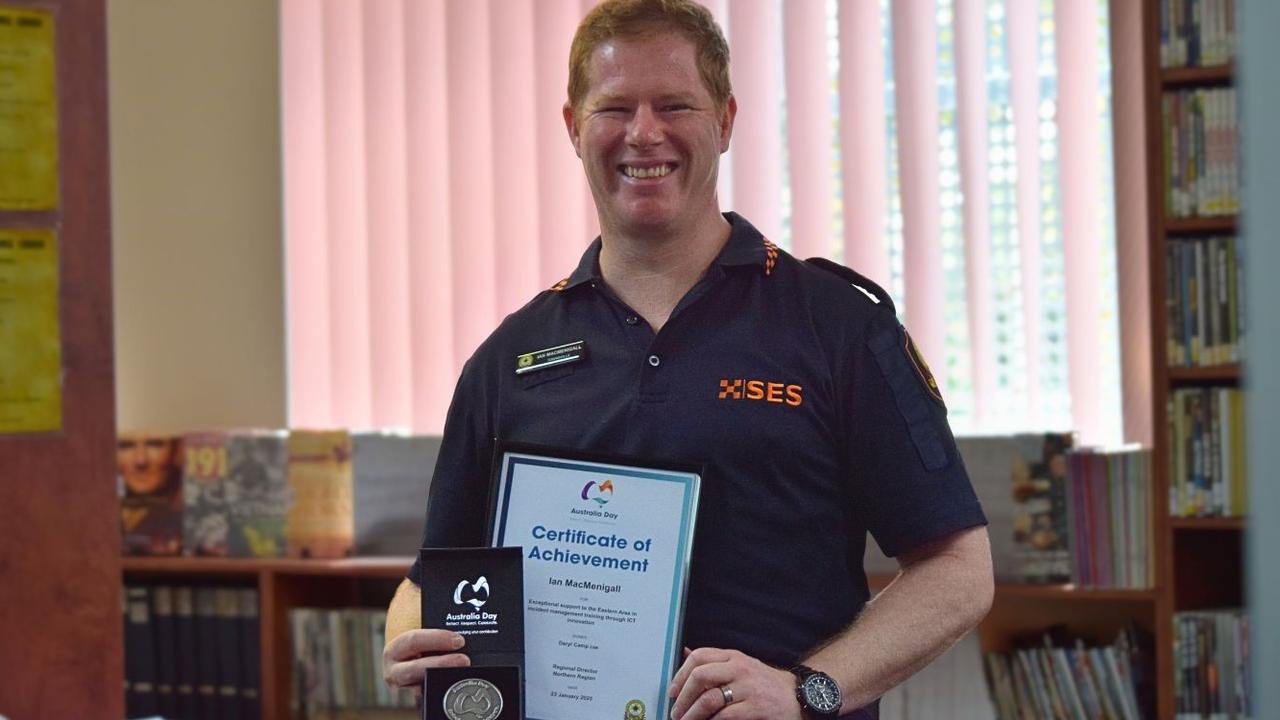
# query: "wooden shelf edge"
x,y
1209,523
384,567
1223,373
1207,75
1194,225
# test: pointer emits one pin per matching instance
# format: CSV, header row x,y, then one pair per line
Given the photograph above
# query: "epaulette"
x,y
856,279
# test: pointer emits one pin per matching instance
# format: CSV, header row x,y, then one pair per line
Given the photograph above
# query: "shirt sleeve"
x,y
457,504
909,484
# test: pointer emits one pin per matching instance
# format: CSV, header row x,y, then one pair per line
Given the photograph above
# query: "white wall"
x,y
195,175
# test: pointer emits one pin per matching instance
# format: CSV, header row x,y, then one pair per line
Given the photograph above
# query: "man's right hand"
x,y
408,654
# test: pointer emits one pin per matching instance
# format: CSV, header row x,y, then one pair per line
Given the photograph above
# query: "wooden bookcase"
x,y
1199,561
282,585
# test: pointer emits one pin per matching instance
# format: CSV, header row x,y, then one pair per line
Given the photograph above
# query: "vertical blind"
x,y
956,151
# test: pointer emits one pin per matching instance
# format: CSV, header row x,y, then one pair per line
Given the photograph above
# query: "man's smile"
x,y
637,172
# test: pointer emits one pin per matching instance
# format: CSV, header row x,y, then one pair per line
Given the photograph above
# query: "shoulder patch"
x,y
560,285
922,368
874,292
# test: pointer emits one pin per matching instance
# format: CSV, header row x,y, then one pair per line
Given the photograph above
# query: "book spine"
x,y
227,608
140,654
206,676
187,650
250,664
166,650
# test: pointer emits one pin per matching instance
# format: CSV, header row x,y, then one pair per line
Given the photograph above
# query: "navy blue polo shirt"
x,y
796,389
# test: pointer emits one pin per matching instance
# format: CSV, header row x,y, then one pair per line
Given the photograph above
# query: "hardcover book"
x,y
150,469
392,474
257,493
321,521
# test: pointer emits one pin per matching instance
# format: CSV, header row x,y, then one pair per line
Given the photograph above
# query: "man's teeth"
x,y
651,172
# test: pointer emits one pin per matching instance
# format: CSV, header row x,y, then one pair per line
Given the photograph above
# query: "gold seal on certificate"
x,y
606,543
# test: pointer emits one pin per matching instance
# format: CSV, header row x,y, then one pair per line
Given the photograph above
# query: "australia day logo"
x,y
475,594
599,493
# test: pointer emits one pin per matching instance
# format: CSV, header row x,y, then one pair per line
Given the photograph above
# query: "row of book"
x,y
191,652
1212,664
1204,296
1207,461
1197,33
1069,681
337,662
1081,515
1109,510
1201,158
274,493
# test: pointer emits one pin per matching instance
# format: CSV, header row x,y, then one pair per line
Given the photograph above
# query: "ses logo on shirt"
x,y
762,391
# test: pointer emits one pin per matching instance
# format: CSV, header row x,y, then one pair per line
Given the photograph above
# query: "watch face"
x,y
821,693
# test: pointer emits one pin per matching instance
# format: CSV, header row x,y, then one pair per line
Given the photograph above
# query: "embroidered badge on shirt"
x,y
551,357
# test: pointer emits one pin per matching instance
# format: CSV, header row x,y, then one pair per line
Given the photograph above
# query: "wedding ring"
x,y
727,692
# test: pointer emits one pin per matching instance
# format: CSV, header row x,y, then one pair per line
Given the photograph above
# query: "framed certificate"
x,y
606,544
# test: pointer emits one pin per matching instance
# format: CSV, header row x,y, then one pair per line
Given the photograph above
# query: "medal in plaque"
x,y
479,594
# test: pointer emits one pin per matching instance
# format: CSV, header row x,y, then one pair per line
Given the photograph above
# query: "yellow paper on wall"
x,y
28,110
30,337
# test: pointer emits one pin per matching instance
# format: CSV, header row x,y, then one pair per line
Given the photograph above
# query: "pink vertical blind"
x,y
915,70
755,45
862,139
971,98
1080,165
431,187
1024,89
808,128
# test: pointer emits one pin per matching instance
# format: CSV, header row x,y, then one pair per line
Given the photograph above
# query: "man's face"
x,y
144,462
649,135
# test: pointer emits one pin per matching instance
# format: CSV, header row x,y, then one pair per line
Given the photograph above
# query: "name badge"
x,y
551,357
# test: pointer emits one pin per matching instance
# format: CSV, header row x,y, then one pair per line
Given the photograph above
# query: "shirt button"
x,y
632,319
654,360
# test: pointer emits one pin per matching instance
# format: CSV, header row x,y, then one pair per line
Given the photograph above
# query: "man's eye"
x,y
674,108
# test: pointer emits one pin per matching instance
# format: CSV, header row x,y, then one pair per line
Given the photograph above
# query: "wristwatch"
x,y
818,694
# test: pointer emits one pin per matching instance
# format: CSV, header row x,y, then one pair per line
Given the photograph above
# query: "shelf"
x,y
1225,224
1066,592
1172,78
377,567
1208,523
1213,373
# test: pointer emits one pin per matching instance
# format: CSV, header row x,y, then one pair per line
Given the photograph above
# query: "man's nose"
x,y
646,128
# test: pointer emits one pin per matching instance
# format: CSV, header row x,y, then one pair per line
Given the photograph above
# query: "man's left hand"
x,y
728,685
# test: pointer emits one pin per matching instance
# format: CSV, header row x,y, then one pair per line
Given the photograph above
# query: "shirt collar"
x,y
746,246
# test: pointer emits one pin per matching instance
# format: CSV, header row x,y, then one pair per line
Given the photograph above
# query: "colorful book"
x,y
150,469
321,520
205,520
257,493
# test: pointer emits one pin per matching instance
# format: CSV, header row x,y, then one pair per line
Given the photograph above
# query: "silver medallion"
x,y
472,699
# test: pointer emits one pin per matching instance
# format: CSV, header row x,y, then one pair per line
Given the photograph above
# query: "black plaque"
x,y
479,594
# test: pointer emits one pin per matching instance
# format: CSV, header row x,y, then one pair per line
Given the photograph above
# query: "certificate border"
x,y
630,466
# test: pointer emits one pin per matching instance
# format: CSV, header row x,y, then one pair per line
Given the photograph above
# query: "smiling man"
x,y
791,381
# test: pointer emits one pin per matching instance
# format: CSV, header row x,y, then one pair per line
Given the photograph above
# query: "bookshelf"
x,y
282,585
1199,559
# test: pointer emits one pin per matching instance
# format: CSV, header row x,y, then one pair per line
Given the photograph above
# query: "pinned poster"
x,y
28,110
30,336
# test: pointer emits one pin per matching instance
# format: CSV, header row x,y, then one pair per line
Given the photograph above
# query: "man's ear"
x,y
726,123
571,125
